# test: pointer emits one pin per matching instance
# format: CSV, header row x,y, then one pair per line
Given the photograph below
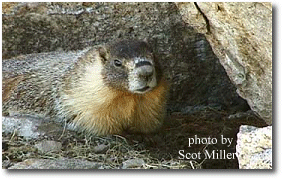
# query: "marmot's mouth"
x,y
143,89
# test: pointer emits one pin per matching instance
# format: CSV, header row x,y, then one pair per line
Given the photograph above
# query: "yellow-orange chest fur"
x,y
102,110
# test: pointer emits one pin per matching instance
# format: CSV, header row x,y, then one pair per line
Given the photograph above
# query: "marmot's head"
x,y
129,65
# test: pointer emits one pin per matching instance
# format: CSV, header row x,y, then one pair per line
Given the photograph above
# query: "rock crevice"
x,y
241,36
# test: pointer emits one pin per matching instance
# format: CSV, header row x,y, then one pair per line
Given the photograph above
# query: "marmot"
x,y
113,88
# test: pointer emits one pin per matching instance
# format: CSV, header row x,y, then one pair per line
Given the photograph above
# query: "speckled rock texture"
x,y
63,163
43,40
241,36
30,127
254,147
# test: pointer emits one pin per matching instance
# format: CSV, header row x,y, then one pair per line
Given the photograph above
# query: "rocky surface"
x,y
23,127
254,147
30,126
56,164
241,37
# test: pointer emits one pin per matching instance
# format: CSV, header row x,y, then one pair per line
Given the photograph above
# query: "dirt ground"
x,y
159,150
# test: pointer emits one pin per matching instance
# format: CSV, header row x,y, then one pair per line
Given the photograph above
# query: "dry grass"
x,y
118,150
158,151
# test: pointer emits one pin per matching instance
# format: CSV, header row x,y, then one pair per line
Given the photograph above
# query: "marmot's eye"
x,y
117,63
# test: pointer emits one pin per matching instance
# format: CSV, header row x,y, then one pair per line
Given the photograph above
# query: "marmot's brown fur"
x,y
114,88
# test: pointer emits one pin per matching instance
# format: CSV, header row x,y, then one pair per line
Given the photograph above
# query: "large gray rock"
x,y
195,73
241,37
254,147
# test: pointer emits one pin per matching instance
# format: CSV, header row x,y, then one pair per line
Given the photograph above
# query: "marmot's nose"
x,y
145,70
146,74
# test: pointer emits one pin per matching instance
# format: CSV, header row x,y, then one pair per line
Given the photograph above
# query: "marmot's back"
x,y
28,81
114,88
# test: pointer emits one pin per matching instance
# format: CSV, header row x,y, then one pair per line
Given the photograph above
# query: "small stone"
x,y
101,148
133,163
48,146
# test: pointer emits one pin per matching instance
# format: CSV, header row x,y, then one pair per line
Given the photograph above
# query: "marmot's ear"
x,y
148,44
103,52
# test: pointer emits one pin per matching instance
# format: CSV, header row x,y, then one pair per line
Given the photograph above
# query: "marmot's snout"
x,y
143,76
